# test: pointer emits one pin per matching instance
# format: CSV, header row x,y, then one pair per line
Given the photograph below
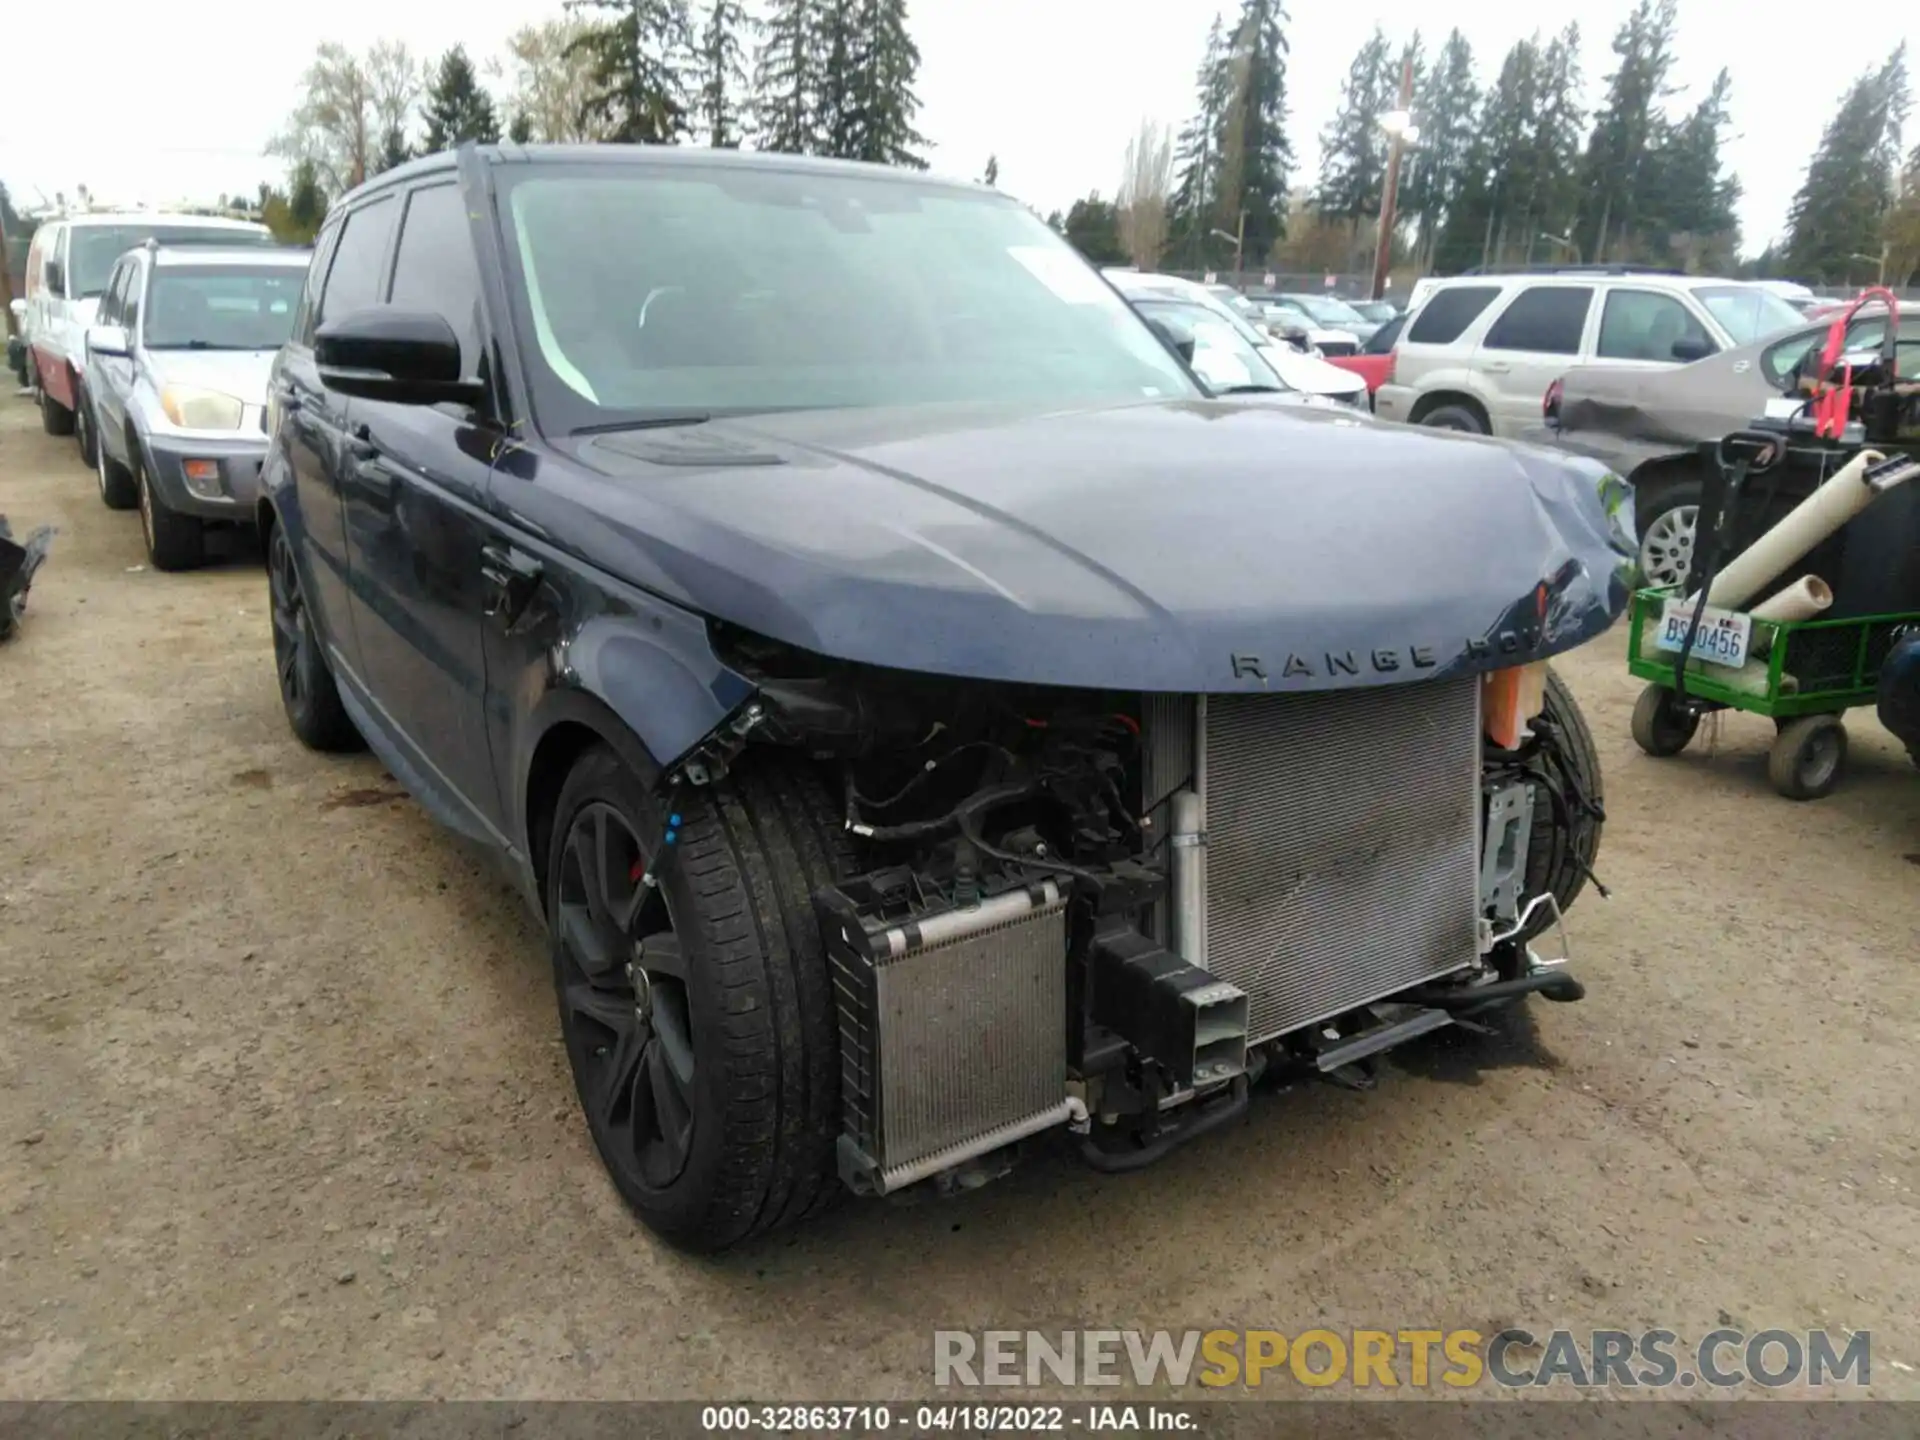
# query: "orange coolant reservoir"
x,y
1509,699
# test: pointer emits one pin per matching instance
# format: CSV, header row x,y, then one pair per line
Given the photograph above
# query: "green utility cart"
x,y
1800,675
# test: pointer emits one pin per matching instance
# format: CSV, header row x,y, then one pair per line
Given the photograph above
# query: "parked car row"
x,y
148,338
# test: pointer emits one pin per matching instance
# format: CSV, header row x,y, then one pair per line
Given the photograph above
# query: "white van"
x,y
67,268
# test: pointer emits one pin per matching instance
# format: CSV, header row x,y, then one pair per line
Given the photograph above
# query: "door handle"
x,y
1496,367
288,397
360,444
512,577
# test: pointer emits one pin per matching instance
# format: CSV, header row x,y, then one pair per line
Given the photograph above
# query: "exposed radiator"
x,y
952,1032
1343,836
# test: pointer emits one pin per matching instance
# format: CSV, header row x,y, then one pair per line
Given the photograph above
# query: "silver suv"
x,y
1481,350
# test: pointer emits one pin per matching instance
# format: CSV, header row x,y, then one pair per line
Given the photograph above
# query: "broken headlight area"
x,y
1114,912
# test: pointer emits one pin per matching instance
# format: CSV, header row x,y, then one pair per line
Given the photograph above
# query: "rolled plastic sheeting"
x,y
1811,521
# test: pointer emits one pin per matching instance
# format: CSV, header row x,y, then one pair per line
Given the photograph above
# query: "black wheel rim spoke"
x,y
624,991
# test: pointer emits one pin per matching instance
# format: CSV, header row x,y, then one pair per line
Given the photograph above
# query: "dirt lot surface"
x,y
284,1111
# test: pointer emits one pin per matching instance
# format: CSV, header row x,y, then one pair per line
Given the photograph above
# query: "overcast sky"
x,y
170,102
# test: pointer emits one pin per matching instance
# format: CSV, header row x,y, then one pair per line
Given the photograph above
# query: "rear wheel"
x,y
1668,532
307,689
1454,417
174,541
698,1015
55,418
84,429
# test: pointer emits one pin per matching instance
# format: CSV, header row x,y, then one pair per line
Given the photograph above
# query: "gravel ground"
x,y
284,1113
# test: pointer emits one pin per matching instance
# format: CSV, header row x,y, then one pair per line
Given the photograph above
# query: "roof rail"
x,y
1571,270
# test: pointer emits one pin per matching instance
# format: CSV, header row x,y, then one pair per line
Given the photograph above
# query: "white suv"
x,y
1481,350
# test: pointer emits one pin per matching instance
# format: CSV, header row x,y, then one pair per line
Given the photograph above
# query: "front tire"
x,y
307,689
1561,849
174,541
698,1016
1808,757
1660,726
118,491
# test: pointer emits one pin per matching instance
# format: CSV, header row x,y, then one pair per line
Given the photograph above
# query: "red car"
x,y
1374,363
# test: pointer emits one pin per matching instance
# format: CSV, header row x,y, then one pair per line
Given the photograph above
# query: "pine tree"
x,y
520,132
306,201
1627,129
1692,219
394,150
723,72
1553,146
1092,226
1255,158
1196,153
1841,206
788,79
890,69
1496,166
457,108
1353,148
1444,106
639,62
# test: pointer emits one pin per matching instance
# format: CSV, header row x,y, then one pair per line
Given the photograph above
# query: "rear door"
x,y
1529,345
416,527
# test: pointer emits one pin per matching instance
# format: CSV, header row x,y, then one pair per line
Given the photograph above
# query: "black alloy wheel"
x,y
307,689
623,993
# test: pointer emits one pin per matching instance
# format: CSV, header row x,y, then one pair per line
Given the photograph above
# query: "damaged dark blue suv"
x,y
929,722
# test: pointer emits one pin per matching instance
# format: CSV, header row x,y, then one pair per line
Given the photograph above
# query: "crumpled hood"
x,y
239,373
1176,546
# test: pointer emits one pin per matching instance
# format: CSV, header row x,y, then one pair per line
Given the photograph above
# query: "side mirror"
x,y
18,309
1692,348
405,357
107,340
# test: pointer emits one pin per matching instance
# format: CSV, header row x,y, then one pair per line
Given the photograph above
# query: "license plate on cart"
x,y
1721,639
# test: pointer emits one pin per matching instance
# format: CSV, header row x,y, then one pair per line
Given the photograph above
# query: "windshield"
x,y
1328,311
1747,312
1222,355
1378,311
675,291
95,248
224,307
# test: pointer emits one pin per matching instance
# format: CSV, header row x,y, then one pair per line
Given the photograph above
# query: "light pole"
x,y
1401,131
1563,241
1239,246
1879,262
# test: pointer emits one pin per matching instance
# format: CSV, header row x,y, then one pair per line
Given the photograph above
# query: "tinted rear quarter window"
x,y
1445,317
359,260
1543,320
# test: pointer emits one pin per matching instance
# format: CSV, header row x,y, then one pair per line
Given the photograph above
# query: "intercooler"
x,y
1342,839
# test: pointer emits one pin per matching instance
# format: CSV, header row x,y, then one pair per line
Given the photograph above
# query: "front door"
x,y
416,527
